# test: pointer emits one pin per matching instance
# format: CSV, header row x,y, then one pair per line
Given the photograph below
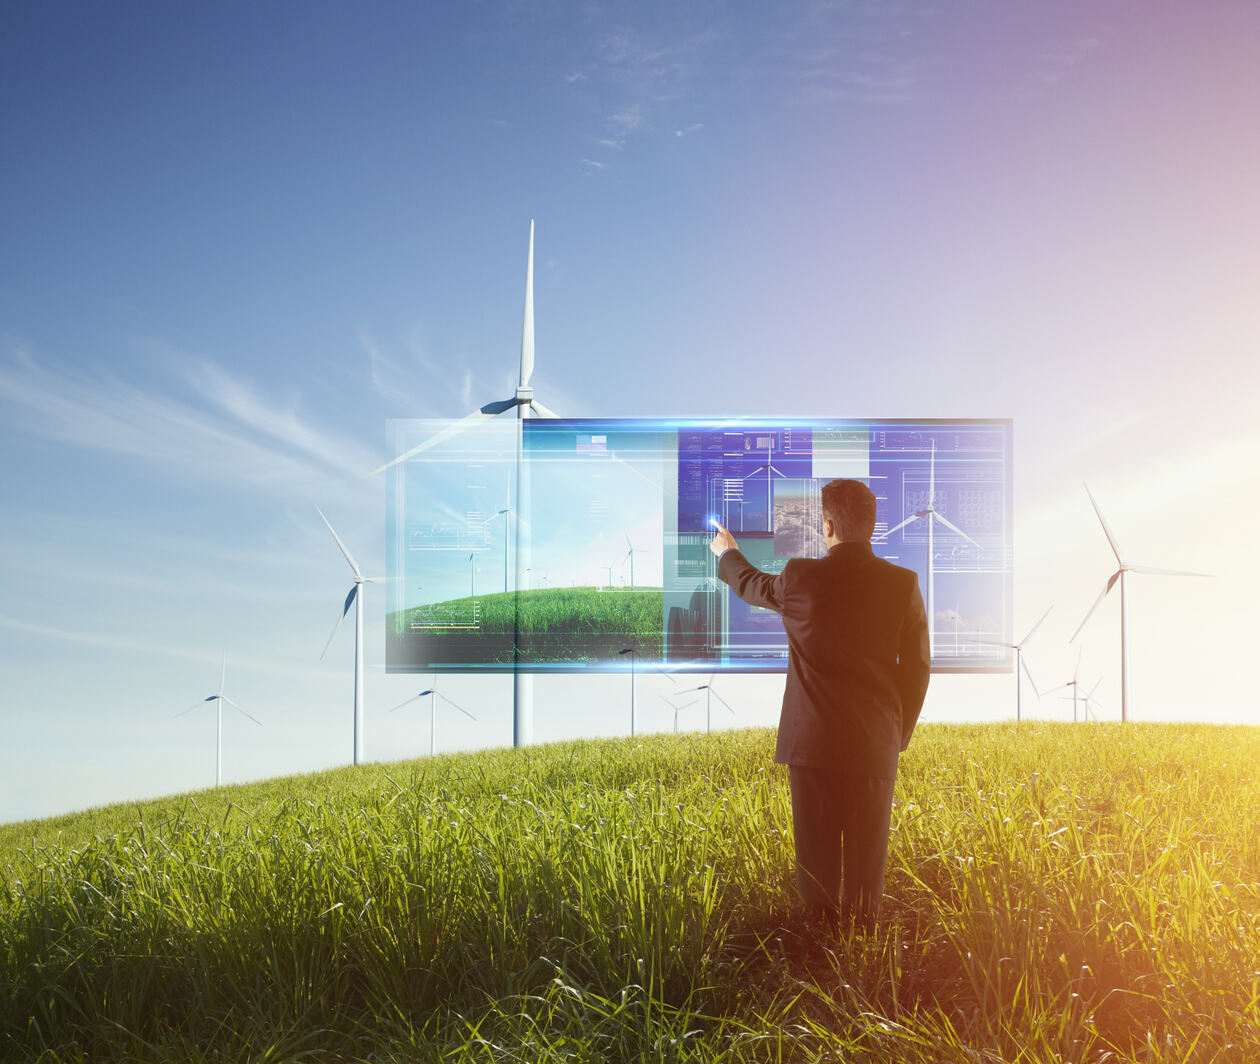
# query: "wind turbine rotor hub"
x,y
524,394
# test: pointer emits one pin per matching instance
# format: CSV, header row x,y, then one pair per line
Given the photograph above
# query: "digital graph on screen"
x,y
563,545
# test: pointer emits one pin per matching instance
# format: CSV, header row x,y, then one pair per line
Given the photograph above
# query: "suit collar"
x,y
851,549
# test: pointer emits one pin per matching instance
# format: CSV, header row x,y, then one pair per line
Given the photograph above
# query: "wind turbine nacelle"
x,y
524,395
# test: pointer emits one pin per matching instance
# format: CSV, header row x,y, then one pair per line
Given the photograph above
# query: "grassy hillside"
x,y
1055,893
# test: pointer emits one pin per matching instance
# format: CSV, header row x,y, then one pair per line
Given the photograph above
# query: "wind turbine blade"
x,y
1110,584
241,711
1028,673
194,706
1090,693
455,704
436,438
1115,547
527,328
352,562
1077,671
723,701
330,636
350,600
932,477
1061,687
896,528
954,528
994,643
413,698
1024,641
541,410
1150,571
222,674
491,409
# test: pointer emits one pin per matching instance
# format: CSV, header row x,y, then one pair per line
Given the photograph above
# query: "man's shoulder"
x,y
889,571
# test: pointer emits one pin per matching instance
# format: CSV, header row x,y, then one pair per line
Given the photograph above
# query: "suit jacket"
x,y
858,657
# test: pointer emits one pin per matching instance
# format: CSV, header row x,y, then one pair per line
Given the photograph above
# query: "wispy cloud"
x,y
887,87
414,384
233,434
1053,67
688,130
265,665
853,52
636,77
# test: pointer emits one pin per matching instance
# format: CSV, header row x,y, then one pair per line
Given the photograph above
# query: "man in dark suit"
x,y
858,663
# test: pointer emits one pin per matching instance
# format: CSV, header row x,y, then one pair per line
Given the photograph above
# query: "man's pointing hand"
x,y
722,541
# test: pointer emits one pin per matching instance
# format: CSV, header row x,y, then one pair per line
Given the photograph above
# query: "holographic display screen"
x,y
567,545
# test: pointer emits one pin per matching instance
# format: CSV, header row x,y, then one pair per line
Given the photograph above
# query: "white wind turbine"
x,y
220,698
930,514
1074,683
1120,575
771,469
677,708
630,556
1090,701
524,403
434,694
1020,663
355,597
709,695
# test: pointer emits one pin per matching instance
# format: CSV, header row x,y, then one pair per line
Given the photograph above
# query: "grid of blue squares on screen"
x,y
561,545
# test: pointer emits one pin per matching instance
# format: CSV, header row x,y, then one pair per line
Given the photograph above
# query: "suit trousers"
x,y
840,827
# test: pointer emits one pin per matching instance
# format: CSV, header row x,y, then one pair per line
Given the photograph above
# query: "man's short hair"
x,y
850,506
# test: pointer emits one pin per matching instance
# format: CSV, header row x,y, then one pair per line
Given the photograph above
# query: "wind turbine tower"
x,y
219,699
524,403
434,694
1121,575
630,556
356,597
1020,663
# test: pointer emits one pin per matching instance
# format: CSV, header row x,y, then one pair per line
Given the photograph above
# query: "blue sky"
x,y
237,239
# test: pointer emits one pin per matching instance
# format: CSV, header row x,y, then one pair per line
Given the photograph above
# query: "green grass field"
x,y
559,624
1055,893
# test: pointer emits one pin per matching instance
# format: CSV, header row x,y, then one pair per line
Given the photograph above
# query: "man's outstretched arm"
x,y
746,580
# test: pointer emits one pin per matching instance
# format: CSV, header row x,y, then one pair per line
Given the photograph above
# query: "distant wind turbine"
x,y
524,403
220,698
677,708
355,597
709,695
1090,701
930,514
630,556
1074,683
1020,663
433,694
1121,574
771,469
